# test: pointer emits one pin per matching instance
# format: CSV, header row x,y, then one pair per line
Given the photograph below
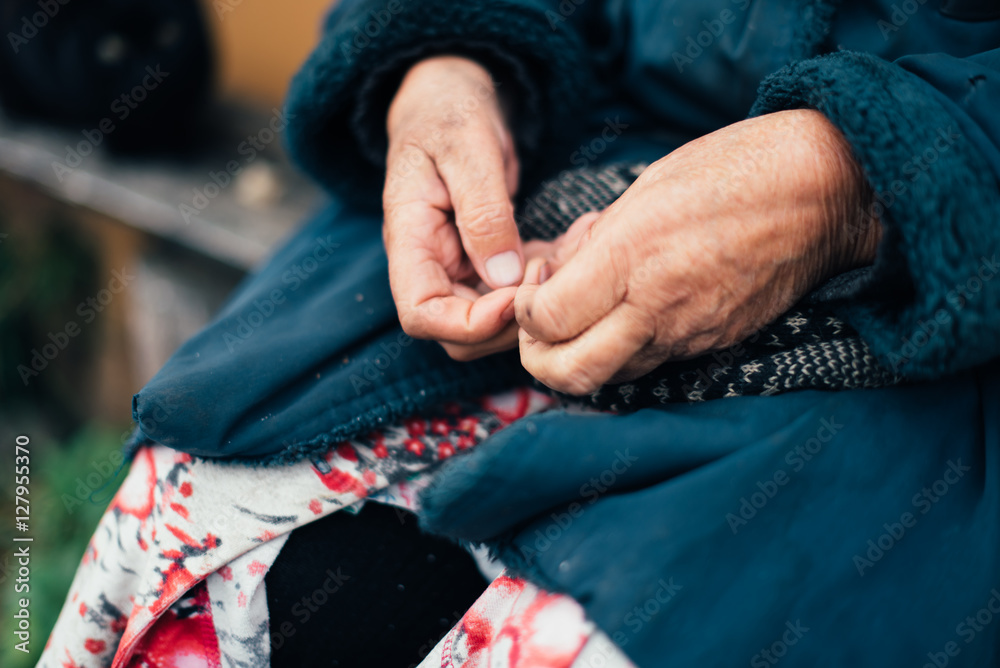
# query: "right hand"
x,y
455,257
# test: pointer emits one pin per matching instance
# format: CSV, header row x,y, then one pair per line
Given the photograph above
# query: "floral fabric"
x,y
174,575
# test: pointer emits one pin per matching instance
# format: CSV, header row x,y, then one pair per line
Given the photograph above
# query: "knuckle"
x,y
547,320
575,379
397,217
413,323
409,152
453,120
483,221
436,137
657,171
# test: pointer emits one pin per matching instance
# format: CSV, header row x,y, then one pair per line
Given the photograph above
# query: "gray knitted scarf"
x,y
808,347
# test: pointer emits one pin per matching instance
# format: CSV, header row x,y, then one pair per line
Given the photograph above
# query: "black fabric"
x,y
382,592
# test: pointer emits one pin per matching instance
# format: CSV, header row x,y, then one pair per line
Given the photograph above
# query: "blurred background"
x,y
142,174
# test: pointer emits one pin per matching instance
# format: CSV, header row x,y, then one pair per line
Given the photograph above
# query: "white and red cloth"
x,y
174,574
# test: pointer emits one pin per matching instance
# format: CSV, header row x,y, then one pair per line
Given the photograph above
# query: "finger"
x,y
505,340
420,243
458,319
416,205
533,273
512,168
411,176
585,289
477,181
578,232
576,235
584,364
538,248
415,202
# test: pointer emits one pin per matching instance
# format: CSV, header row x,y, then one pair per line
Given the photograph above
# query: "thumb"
x,y
566,246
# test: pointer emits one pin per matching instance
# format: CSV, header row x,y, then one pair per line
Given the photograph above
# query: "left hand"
x,y
451,171
541,257
711,243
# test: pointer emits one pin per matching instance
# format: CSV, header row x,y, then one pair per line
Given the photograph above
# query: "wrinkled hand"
x,y
711,243
455,257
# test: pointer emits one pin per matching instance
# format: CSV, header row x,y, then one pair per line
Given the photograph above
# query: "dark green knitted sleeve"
x,y
338,101
926,130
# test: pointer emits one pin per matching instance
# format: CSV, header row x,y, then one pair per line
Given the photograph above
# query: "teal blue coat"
x,y
857,528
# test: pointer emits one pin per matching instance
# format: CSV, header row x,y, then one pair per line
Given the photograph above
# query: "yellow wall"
x,y
260,44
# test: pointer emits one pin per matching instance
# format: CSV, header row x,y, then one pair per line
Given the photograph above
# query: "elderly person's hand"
x,y
709,244
455,257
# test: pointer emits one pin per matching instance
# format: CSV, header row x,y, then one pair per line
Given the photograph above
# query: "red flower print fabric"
x,y
174,574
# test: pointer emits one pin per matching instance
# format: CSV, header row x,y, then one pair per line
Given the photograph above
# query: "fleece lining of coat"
x,y
912,309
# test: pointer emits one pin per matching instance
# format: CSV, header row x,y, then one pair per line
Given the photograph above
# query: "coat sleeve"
x,y
337,102
927,131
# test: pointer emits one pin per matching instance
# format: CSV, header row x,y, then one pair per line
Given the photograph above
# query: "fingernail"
x,y
544,273
504,268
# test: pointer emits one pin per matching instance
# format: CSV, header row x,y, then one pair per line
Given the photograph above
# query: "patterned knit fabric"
x,y
807,348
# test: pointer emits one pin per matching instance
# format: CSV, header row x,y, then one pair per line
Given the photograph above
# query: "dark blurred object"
x,y
136,73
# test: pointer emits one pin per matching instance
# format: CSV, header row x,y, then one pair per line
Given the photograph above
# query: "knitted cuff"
x,y
928,306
